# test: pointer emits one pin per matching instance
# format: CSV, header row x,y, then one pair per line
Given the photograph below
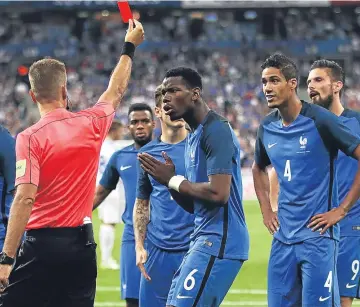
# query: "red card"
x,y
125,11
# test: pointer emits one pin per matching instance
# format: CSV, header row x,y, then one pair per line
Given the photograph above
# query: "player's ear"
x,y
32,95
337,86
293,83
157,112
63,92
196,94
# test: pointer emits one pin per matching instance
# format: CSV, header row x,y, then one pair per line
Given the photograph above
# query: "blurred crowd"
x,y
231,76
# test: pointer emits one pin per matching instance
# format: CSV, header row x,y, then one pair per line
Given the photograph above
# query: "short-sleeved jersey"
x,y
60,155
346,171
213,149
170,226
303,155
122,165
7,173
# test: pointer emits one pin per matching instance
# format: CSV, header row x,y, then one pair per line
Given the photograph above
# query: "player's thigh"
x,y
348,266
129,272
30,280
284,283
161,267
110,213
196,283
318,258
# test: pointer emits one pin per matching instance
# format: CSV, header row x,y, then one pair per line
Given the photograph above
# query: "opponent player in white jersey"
x,y
110,210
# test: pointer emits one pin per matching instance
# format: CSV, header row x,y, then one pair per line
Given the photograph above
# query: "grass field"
x,y
249,288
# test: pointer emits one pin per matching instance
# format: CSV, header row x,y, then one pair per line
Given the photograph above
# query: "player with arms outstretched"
x,y
301,141
212,190
157,217
122,165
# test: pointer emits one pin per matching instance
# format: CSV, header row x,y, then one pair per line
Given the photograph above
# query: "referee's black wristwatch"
x,y
5,259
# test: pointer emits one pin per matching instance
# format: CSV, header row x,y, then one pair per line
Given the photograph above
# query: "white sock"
x,y
106,240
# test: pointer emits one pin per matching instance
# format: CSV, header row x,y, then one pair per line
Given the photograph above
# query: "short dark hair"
x,y
115,125
191,77
283,63
140,106
158,96
336,71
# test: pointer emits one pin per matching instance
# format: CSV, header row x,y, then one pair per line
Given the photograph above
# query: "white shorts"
x,y
112,208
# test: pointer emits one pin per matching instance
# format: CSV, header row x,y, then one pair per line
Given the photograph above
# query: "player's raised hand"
x,y
141,258
135,34
324,221
271,221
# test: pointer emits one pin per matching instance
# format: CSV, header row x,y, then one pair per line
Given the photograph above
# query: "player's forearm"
x,y
262,188
141,218
354,193
203,191
100,195
19,216
183,201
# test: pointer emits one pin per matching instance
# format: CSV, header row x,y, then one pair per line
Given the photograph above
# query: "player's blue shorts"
x,y
129,272
348,267
161,267
303,274
202,280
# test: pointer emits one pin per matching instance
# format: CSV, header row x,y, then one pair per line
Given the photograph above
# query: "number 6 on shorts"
x,y
190,279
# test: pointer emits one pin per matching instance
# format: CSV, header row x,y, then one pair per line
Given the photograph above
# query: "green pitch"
x,y
248,288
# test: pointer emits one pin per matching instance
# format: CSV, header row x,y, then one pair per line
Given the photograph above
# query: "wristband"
x,y
128,49
175,181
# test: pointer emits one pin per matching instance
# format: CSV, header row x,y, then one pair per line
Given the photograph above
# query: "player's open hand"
x,y
271,221
324,221
5,270
141,258
161,172
135,35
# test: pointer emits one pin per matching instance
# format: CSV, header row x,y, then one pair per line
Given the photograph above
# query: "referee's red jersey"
x,y
60,155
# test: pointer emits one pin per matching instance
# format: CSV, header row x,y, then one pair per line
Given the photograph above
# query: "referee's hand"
x,y
5,270
135,35
141,258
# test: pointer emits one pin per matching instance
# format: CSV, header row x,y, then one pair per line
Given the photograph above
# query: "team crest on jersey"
x,y
303,142
20,168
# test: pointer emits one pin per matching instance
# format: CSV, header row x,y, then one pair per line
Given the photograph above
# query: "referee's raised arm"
x,y
121,74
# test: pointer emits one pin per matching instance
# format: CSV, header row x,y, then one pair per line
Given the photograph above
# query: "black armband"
x,y
128,49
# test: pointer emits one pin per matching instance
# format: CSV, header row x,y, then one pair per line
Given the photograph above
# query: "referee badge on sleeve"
x,y
20,168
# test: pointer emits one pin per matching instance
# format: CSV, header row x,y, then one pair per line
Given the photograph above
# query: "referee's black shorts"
x,y
55,267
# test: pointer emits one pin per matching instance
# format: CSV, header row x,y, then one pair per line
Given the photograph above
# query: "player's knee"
x,y
132,302
346,301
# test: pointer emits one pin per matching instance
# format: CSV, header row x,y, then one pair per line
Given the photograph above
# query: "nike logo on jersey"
x,y
271,145
122,168
350,286
323,299
181,296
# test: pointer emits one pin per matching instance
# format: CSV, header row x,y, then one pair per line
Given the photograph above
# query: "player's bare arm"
x,y
328,219
141,218
216,191
274,189
100,195
262,189
120,77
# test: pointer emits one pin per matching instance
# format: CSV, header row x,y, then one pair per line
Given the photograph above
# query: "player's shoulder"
x,y
349,114
4,131
123,151
273,116
151,145
215,123
316,112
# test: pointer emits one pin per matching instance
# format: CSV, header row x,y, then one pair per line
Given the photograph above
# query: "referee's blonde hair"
x,y
46,77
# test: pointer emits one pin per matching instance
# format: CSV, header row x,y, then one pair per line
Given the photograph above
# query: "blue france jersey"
x,y
7,174
123,164
303,155
170,225
210,150
346,171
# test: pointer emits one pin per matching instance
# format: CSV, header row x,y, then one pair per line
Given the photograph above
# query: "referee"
x,y
56,164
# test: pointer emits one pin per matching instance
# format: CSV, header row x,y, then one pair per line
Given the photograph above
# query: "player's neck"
x,y
173,135
195,118
336,107
290,111
49,106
